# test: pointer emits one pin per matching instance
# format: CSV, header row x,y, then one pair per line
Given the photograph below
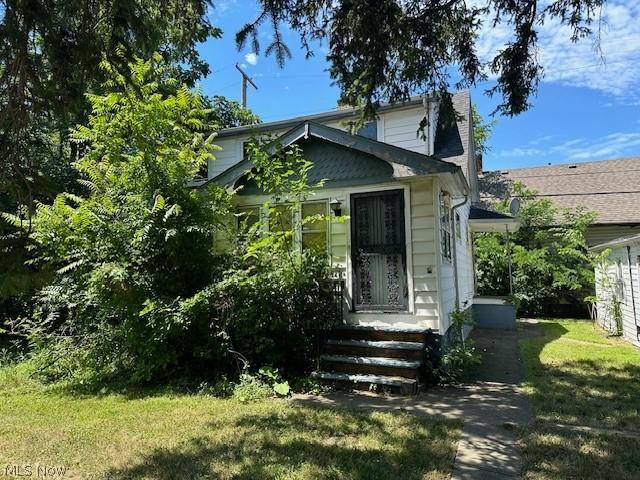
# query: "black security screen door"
x,y
378,251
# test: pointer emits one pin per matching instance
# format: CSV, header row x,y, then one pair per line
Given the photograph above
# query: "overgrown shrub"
x,y
137,293
132,259
551,266
276,296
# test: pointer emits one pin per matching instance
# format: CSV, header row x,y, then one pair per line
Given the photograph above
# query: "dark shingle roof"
x,y
610,188
452,140
480,213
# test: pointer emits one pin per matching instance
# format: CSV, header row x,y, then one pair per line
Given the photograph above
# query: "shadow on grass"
x,y
306,444
596,388
551,454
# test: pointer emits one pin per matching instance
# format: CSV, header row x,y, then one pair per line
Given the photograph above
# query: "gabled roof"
x,y
404,163
610,188
452,141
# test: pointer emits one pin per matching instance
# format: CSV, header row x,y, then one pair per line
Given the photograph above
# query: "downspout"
x,y
426,103
454,254
633,296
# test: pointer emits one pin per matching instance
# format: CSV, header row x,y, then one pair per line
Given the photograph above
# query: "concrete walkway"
x,y
488,449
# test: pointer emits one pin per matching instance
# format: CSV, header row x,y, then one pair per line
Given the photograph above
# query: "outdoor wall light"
x,y
336,207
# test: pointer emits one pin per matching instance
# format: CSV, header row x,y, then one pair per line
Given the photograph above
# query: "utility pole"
x,y
245,79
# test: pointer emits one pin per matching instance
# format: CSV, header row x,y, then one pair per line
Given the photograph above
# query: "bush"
x,y
457,362
138,294
461,356
552,268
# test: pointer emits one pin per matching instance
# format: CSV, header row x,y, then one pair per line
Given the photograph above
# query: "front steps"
x,y
375,358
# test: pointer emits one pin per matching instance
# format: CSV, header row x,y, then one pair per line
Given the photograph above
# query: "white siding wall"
x,y
421,238
423,235
230,154
400,128
464,253
464,265
630,290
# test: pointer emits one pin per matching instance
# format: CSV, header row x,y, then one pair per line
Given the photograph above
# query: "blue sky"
x,y
585,109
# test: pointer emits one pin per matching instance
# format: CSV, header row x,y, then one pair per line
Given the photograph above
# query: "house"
x,y
404,253
618,287
610,188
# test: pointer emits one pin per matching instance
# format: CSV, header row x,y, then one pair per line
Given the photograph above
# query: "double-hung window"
x,y
309,234
445,225
314,231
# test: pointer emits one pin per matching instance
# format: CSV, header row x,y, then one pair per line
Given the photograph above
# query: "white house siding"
x,y
229,155
424,265
630,289
464,265
400,128
464,253
421,245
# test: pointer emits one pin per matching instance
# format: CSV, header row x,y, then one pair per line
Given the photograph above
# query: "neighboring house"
x,y
610,188
405,250
618,281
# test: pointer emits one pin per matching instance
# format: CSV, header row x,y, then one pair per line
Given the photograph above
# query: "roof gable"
x,y
403,163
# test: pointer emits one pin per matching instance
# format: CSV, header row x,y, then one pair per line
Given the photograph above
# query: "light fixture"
x,y
336,207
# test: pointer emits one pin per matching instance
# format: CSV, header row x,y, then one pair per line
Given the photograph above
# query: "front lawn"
x,y
577,375
171,436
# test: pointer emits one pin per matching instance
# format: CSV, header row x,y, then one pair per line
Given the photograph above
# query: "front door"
x,y
378,251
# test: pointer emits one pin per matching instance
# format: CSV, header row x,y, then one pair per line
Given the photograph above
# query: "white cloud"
x,y
251,58
612,145
579,64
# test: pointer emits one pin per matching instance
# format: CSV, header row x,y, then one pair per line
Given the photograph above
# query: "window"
x,y
445,225
369,130
247,217
458,227
280,218
314,233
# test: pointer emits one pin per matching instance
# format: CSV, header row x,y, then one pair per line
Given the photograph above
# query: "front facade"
x,y
618,288
399,201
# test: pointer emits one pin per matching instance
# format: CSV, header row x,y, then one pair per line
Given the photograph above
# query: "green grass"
x,y
577,375
177,436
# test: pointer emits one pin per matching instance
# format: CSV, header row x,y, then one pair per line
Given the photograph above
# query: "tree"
x,y
227,113
389,49
550,260
50,51
132,258
482,131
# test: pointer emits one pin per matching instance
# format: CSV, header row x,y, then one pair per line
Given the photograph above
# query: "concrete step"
x,y
371,365
372,348
401,385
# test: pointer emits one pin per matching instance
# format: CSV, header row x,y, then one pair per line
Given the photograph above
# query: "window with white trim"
x,y
283,218
445,225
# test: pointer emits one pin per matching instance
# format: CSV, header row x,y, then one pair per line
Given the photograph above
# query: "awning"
x,y
485,220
